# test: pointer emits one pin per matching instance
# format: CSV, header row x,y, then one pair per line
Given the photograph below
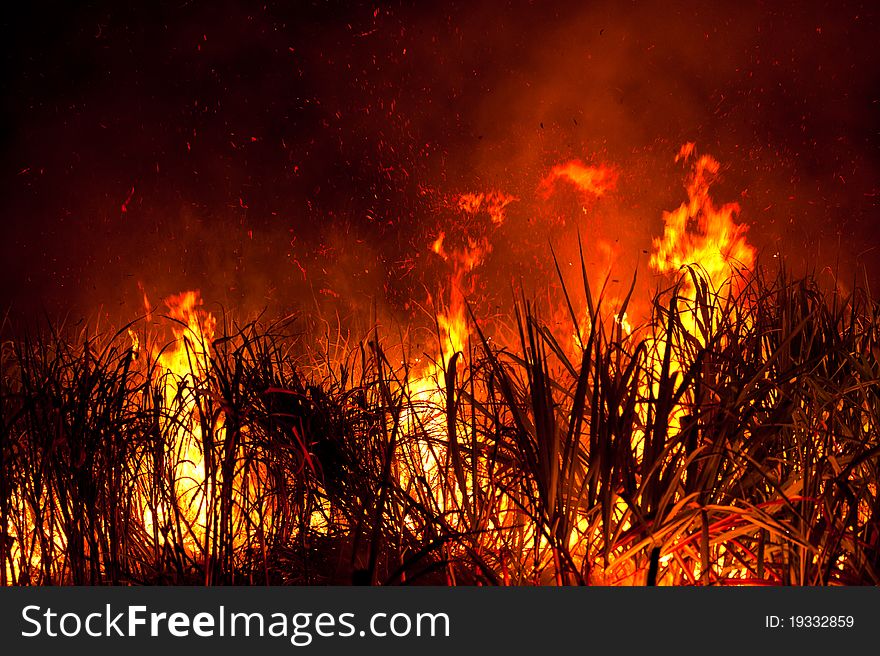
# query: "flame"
x,y
702,235
181,372
593,180
452,320
428,385
699,233
135,343
493,202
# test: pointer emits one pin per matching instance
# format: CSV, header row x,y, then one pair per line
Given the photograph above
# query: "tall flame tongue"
x,y
451,319
706,238
182,372
699,233
427,387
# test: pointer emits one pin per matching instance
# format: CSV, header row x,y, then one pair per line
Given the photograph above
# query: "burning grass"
x,y
731,439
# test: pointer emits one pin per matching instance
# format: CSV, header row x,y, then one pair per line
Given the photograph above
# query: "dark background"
x,y
289,154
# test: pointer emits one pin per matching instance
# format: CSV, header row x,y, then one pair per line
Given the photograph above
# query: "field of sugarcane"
x,y
733,438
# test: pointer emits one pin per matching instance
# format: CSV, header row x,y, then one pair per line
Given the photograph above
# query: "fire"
x,y
594,180
441,292
428,385
699,233
451,319
493,202
135,342
181,371
193,330
704,236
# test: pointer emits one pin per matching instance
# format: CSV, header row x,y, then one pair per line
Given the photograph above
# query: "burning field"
x,y
386,295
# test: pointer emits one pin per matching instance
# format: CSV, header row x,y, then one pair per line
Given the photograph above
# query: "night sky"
x,y
289,154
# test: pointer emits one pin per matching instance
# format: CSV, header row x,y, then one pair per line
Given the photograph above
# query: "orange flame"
x,y
182,371
594,180
493,203
699,233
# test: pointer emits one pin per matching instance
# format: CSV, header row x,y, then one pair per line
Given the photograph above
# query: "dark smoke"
x,y
288,154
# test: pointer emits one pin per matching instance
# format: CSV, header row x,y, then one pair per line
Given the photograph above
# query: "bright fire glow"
x,y
698,233
595,180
